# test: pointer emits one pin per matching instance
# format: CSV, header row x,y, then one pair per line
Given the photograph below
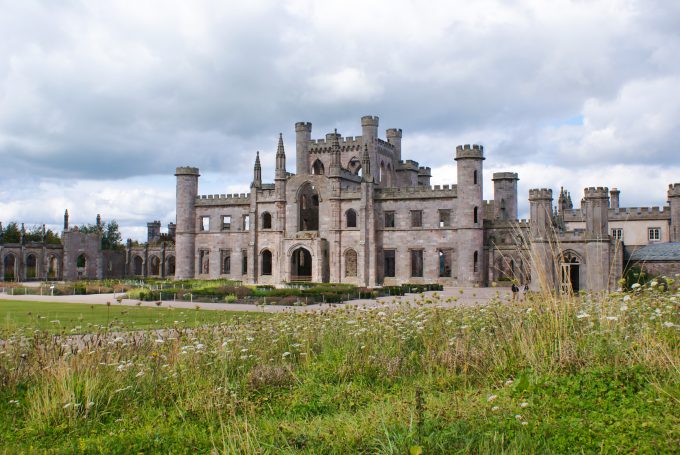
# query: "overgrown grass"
x,y
25,317
549,375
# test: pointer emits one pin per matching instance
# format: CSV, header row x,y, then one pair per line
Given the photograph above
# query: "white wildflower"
x,y
518,416
495,408
635,286
285,354
523,404
508,382
491,398
668,324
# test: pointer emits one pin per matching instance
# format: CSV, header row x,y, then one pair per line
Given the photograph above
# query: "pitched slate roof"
x,y
657,252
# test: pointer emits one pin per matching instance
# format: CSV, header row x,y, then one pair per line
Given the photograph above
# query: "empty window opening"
x,y
31,267
226,222
266,262
389,263
351,217
308,202
204,262
317,168
246,222
389,219
244,262
416,263
155,265
475,216
170,266
226,262
266,220
138,266
474,177
475,262
204,223
416,218
444,218
9,263
444,263
81,262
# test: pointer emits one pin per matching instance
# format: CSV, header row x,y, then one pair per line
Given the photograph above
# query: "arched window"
x,y
138,265
350,263
266,262
475,215
155,265
9,263
317,168
170,266
381,171
52,270
475,262
31,267
474,177
388,175
308,202
266,220
354,165
351,217
81,262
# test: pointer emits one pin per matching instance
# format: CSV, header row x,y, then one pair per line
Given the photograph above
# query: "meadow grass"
x,y
73,318
583,374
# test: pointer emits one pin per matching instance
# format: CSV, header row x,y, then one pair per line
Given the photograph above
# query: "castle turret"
x,y
505,195
172,228
597,238
469,162
674,201
257,172
614,198
153,231
394,137
185,236
369,135
335,166
303,134
540,230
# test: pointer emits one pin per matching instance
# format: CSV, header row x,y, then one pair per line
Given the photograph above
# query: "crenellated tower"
x,y
597,238
394,137
614,198
505,195
540,230
471,261
185,233
369,135
303,134
674,201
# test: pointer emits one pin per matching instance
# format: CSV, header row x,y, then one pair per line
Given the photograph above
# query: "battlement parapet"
x,y
349,143
303,127
425,170
600,192
384,144
393,132
417,192
370,120
186,170
407,165
505,176
622,214
539,194
223,199
674,190
468,151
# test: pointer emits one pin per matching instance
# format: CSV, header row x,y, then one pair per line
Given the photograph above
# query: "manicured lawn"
x,y
57,317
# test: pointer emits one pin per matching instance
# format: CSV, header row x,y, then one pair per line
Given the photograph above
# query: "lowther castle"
x,y
355,212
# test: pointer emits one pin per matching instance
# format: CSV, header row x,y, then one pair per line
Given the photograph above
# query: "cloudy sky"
x,y
100,101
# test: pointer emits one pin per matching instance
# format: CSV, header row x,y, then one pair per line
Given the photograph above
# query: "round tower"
x,y
303,134
369,134
469,163
505,195
674,201
185,233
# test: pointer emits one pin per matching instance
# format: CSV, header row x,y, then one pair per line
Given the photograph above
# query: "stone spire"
x,y
66,220
280,159
335,155
366,165
257,172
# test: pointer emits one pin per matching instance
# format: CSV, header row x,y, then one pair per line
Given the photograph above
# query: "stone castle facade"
x,y
356,212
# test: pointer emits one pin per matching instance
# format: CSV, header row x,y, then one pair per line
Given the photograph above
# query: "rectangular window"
x,y
416,263
390,263
444,218
416,218
617,233
226,222
654,234
389,219
445,263
244,262
246,222
204,262
226,262
205,223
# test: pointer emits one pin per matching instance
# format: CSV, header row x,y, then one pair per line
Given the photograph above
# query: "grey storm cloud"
x,y
120,93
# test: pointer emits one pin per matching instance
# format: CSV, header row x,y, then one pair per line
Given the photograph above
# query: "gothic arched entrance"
x,y
301,265
570,274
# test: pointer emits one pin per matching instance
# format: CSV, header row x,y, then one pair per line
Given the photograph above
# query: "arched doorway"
x,y
308,208
266,262
10,265
170,266
137,265
155,266
52,268
31,267
570,274
301,265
